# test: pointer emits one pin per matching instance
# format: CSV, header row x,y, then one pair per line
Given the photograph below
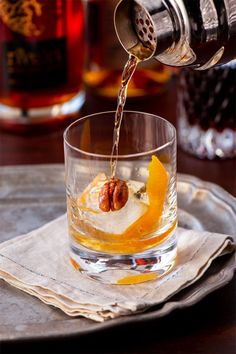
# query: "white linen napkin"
x,y
38,263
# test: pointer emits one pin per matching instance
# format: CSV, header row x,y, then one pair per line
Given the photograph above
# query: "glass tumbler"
x,y
132,239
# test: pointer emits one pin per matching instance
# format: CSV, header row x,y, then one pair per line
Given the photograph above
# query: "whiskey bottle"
x,y
41,61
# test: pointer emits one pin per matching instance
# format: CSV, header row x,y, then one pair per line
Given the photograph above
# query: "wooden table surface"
x,y
208,327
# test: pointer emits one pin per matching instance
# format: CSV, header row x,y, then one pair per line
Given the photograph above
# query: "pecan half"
x,y
113,195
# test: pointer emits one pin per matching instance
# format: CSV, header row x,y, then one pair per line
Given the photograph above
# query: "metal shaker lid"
x,y
135,29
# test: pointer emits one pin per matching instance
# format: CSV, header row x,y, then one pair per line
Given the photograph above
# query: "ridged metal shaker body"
x,y
198,33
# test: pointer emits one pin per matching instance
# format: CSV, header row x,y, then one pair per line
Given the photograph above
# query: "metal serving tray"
x,y
33,195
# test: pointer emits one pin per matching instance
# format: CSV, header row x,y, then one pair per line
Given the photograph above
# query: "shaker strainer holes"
x,y
144,27
148,43
141,33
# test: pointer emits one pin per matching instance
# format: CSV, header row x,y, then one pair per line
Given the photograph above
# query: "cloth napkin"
x,y
38,263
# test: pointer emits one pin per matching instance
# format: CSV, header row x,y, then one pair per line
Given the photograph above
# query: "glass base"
x,y
125,269
20,118
208,143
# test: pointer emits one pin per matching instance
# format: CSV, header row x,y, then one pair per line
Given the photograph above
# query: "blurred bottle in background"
x,y
105,58
41,61
207,111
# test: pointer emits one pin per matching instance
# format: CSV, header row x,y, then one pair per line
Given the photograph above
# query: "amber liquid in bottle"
x,y
41,46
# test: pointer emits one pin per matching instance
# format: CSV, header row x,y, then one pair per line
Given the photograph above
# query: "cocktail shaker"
x,y
178,32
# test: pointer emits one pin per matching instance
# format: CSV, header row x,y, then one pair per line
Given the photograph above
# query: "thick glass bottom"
x,y
125,269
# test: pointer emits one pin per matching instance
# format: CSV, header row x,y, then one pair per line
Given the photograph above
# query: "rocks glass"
x,y
133,239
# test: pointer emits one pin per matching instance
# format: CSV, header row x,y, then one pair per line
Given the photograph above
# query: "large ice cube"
x,y
114,222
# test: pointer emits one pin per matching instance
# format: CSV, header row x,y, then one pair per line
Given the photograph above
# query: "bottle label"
x,y
30,67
